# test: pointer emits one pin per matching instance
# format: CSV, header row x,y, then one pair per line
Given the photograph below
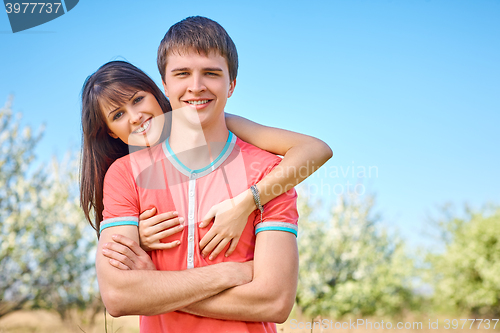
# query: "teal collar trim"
x,y
228,148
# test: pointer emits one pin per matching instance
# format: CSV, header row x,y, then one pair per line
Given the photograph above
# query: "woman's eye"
x,y
138,99
117,115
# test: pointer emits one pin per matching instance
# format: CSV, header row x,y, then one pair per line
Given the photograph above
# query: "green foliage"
x,y
466,275
45,244
350,264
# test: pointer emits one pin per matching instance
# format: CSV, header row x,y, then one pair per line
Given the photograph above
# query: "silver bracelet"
x,y
256,199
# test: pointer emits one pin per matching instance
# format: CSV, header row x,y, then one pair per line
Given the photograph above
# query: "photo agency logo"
x,y
26,15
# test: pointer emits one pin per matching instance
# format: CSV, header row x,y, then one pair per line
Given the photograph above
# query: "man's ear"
x,y
113,135
232,85
165,88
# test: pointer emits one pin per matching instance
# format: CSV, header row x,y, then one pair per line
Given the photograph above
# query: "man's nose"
x,y
197,84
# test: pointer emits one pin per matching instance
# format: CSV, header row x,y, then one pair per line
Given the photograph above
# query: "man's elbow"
x,y
282,310
280,306
114,304
115,290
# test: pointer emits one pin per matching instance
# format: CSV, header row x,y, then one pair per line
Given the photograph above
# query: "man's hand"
x,y
245,270
125,254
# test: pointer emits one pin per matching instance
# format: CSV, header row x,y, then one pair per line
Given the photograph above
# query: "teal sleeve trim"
x,y
276,228
119,223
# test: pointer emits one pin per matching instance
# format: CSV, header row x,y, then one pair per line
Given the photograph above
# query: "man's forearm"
x,y
154,292
270,295
243,303
149,292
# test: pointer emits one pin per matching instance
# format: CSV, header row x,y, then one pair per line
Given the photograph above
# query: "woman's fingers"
x,y
154,220
207,239
165,246
232,247
208,217
151,236
218,249
168,225
165,233
150,230
155,228
211,245
147,213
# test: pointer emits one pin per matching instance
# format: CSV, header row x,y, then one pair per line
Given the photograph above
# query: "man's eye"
x,y
117,115
212,74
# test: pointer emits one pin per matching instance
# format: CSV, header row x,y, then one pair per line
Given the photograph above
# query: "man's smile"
x,y
198,103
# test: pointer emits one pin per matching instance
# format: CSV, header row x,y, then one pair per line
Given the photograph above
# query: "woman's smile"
x,y
137,122
144,127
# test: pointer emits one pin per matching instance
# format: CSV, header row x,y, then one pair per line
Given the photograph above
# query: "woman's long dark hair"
x,y
112,84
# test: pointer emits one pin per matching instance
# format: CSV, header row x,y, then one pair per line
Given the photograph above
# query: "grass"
x,y
40,321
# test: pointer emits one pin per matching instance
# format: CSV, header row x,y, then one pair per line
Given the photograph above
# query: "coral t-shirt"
x,y
156,177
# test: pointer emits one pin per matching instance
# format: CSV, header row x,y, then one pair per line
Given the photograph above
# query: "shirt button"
x,y
191,193
191,217
191,238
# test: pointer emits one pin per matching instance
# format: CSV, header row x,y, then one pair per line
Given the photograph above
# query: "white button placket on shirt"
x,y
192,175
191,223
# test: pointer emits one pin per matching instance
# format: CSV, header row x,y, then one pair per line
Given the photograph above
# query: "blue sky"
x,y
408,88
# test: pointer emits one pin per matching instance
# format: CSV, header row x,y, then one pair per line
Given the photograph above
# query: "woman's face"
x,y
137,122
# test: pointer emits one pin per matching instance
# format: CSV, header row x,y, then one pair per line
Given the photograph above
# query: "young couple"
x,y
158,178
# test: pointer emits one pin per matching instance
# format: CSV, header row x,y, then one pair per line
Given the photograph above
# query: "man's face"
x,y
200,82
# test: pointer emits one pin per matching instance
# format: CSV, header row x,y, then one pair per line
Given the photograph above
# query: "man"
x,y
201,164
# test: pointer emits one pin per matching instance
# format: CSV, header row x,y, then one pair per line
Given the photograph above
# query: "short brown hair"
x,y
202,35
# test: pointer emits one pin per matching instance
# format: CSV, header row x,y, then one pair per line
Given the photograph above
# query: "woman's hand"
x,y
231,216
125,254
153,228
